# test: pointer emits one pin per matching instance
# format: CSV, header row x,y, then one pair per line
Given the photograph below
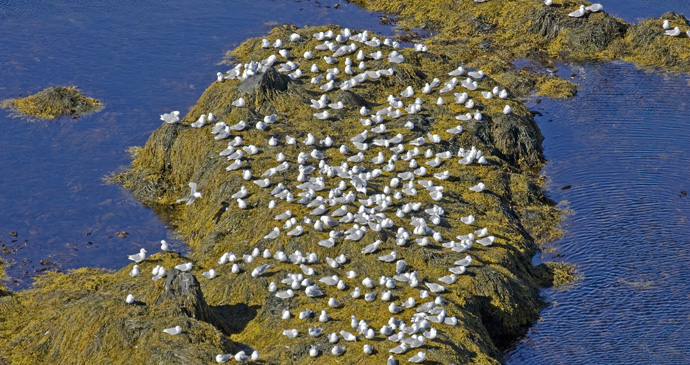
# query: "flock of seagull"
x,y
332,181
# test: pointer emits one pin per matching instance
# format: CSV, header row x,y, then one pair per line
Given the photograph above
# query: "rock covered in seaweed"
x,y
55,102
491,295
509,140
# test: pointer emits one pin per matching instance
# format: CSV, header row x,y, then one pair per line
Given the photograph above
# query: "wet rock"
x,y
183,291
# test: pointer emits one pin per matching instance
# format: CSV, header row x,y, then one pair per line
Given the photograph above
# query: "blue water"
x,y
141,59
621,144
623,147
633,10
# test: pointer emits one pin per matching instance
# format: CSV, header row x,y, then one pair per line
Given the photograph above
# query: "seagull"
x,y
408,92
435,288
285,295
259,270
675,32
467,261
371,248
193,195
579,13
135,270
305,314
291,333
468,220
368,349
173,330
486,241
184,267
200,122
595,8
420,357
239,102
478,188
241,356
323,317
210,274
455,130
297,231
313,291
221,358
389,257
171,118
400,349
448,279
666,25
322,116
348,336
337,350
141,256
273,234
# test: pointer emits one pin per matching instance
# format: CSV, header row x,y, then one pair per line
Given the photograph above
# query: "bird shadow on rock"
x,y
462,352
235,317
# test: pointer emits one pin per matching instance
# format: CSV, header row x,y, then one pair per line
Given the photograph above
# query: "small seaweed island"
x,y
345,199
54,102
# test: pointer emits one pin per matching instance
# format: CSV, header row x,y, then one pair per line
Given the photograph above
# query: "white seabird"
x,y
173,330
210,274
171,118
141,256
193,195
675,32
418,358
579,13
595,8
184,267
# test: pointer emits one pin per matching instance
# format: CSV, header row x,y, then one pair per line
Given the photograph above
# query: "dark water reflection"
x,y
141,59
623,145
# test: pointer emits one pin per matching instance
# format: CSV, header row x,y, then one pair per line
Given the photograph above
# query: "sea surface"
x,y
142,59
618,159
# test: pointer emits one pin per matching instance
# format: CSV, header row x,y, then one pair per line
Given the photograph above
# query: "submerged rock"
x,y
55,102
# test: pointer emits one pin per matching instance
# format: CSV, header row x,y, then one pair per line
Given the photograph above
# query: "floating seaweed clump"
x,y
54,102
333,175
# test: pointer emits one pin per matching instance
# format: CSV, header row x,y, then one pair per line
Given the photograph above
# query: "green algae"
x,y
54,102
87,318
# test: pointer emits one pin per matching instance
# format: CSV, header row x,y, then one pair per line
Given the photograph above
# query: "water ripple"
x,y
623,147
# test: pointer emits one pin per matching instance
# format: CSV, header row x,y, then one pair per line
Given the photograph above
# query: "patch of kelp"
x,y
82,315
513,29
54,102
